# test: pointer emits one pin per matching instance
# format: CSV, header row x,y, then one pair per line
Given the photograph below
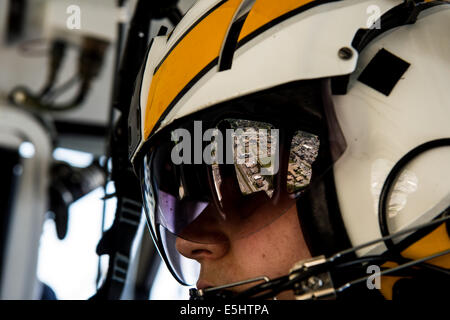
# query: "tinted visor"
x,y
225,174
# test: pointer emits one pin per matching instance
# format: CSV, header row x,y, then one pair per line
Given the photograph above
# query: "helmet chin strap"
x,y
312,279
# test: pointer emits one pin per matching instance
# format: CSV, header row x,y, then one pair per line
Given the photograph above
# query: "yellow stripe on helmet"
x,y
200,47
191,55
265,11
436,241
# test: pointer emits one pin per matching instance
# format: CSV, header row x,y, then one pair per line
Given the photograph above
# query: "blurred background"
x,y
59,61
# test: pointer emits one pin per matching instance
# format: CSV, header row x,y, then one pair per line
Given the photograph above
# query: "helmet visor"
x,y
225,174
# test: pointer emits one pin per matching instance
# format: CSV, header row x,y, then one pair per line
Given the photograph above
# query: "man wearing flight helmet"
x,y
288,148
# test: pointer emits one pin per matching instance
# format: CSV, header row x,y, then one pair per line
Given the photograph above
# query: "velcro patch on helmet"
x,y
384,71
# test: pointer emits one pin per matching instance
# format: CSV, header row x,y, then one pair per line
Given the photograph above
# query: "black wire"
x,y
31,101
283,283
53,94
393,270
289,284
261,287
361,261
343,253
382,205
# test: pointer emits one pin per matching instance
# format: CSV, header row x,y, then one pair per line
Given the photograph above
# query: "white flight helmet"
x,y
365,82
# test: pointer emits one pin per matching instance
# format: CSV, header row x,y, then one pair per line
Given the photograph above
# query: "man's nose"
x,y
202,251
